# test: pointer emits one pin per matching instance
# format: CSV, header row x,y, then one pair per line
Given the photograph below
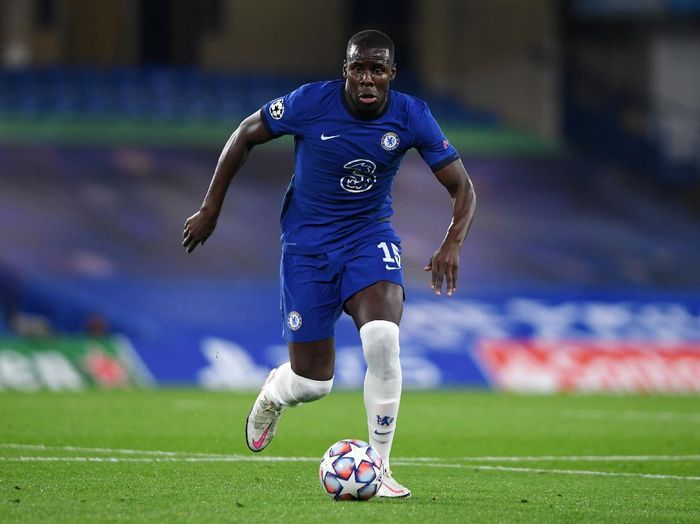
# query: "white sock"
x,y
380,344
289,389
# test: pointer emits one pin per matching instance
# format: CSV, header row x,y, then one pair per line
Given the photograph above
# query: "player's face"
x,y
368,73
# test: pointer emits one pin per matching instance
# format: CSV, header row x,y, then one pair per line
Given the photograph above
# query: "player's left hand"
x,y
444,265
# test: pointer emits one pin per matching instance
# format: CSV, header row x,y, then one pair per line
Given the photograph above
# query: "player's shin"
x,y
382,391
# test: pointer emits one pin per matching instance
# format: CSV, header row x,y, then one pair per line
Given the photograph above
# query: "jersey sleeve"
x,y
286,115
431,143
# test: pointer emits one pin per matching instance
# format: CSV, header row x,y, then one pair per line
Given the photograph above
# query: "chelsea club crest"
x,y
294,320
389,141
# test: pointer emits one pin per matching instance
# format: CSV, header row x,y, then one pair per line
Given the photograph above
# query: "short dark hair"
x,y
373,39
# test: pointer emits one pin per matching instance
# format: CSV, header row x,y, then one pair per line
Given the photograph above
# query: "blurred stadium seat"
x,y
165,94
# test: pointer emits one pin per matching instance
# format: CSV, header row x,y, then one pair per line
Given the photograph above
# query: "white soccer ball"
x,y
351,470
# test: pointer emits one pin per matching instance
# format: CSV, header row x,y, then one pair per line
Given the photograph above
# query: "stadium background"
x,y
579,122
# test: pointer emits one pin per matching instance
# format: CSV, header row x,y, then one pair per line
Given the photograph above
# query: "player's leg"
x,y
308,376
373,276
310,305
376,311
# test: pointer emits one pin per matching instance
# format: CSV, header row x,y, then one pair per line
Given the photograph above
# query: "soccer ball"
x,y
351,470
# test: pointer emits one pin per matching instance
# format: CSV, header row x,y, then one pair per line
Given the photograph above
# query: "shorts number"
x,y
393,257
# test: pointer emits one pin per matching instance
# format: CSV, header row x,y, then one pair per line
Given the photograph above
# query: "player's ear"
x,y
345,69
393,72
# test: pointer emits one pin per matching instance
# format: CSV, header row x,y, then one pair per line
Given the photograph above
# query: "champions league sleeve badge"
x,y
277,109
389,141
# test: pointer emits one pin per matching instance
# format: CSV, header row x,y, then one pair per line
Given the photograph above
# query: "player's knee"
x,y
380,345
308,390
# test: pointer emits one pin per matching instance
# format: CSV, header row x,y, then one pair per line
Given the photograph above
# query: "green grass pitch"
x,y
179,456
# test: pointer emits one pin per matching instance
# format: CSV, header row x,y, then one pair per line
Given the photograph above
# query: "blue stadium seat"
x,y
168,94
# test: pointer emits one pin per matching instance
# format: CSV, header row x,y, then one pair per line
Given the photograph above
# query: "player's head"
x,y
371,39
368,70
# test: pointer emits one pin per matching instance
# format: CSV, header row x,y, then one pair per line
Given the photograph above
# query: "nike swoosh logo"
x,y
324,137
257,444
387,486
391,268
383,432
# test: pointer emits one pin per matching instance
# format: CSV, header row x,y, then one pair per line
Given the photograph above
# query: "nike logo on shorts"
x,y
324,137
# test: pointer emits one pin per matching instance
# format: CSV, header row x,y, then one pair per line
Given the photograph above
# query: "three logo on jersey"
x,y
363,178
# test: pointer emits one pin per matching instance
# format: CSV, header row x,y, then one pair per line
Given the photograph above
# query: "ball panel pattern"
x,y
351,469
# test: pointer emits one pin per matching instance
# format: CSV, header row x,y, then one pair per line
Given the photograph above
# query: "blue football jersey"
x,y
344,165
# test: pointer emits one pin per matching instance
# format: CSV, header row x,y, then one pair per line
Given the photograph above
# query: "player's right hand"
x,y
198,228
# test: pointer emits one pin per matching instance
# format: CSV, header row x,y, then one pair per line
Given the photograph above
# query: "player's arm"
x,y
444,263
200,226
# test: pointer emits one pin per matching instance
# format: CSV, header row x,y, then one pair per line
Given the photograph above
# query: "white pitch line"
x,y
567,458
238,457
42,447
242,458
559,471
229,458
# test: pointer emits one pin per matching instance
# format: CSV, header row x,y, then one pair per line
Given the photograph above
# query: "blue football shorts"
x,y
314,288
